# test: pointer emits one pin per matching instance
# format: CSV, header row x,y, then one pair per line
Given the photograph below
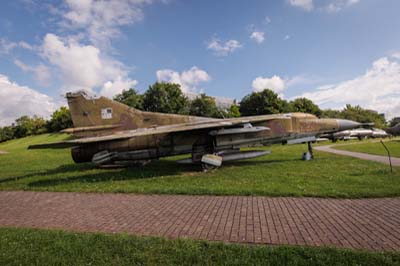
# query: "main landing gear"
x,y
307,156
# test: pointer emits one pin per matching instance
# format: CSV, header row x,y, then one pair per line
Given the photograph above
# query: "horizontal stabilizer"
x,y
54,145
85,129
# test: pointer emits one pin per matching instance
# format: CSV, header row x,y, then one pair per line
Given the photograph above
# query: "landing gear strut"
x,y
310,150
309,154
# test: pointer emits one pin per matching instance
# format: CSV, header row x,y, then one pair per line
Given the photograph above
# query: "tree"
x,y
234,110
263,102
131,98
6,133
304,105
330,113
165,98
204,105
357,113
60,119
25,126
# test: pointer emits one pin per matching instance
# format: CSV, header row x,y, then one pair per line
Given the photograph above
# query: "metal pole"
x,y
390,159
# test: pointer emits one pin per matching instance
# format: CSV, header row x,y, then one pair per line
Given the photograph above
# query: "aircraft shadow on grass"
x,y
155,169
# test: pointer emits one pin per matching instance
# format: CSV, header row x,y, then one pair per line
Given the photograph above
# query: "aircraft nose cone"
x,y
345,124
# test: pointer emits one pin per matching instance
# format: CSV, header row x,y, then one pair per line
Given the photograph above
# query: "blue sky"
x,y
331,51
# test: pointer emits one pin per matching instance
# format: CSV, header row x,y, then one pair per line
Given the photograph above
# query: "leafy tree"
x,y
60,119
330,113
25,126
6,133
205,106
165,98
356,113
263,102
361,115
131,98
304,105
234,110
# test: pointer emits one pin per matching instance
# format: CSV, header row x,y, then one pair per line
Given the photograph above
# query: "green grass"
x,y
373,147
45,247
281,173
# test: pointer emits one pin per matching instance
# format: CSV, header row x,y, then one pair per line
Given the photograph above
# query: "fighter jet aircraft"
x,y
394,131
109,133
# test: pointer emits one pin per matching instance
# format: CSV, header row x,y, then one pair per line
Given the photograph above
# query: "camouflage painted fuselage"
x,y
97,117
108,131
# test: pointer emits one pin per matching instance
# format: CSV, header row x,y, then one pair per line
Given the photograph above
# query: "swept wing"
x,y
211,124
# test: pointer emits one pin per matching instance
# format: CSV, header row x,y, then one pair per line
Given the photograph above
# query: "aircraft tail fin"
x,y
100,114
96,115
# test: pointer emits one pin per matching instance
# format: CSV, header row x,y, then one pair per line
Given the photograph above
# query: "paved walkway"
x,y
372,224
360,155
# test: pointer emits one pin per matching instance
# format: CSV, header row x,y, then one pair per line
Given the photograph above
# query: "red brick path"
x,y
372,224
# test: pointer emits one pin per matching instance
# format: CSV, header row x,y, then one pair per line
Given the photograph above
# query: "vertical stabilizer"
x,y
92,111
92,114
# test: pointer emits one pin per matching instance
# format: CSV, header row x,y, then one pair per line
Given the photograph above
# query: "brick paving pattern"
x,y
372,224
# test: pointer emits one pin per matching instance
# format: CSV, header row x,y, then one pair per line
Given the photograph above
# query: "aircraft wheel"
x,y
208,167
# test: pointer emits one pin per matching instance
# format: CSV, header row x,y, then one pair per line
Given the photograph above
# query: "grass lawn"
x,y
45,247
373,147
281,173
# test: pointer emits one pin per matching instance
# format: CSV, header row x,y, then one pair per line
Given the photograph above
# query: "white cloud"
x,y
302,80
307,5
331,6
41,72
112,88
25,45
257,36
377,89
287,37
83,58
80,65
352,2
6,46
82,53
21,100
84,66
102,19
188,79
221,48
396,55
338,5
274,83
